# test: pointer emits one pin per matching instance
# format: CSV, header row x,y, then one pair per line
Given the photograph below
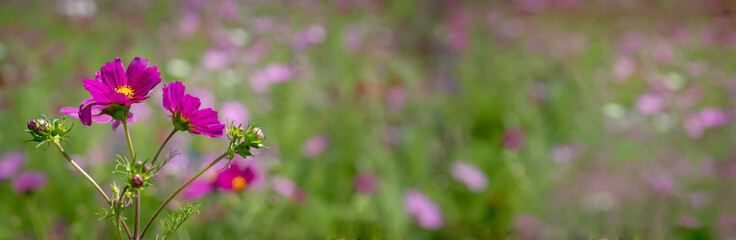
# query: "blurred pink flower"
x,y
565,153
311,35
315,145
189,23
699,199
256,52
513,139
726,226
688,221
513,28
141,111
286,187
624,67
630,42
273,73
215,59
392,135
662,53
235,111
229,10
395,96
458,31
366,183
426,212
660,182
565,3
530,5
650,104
205,96
236,177
352,38
11,163
197,189
474,178
695,124
29,181
529,227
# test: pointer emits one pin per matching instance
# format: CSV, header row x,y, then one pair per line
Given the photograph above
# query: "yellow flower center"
x,y
239,183
125,90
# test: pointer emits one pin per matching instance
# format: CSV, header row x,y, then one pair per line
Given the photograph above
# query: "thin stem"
x,y
117,227
92,181
171,197
138,192
99,189
36,220
137,212
130,143
163,145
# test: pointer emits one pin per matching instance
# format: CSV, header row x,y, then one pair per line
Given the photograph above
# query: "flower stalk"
x,y
178,190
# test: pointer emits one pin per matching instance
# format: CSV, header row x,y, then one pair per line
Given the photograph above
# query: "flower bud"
x,y
137,180
140,165
32,125
259,134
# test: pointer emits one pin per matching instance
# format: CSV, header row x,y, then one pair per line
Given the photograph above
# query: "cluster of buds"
x,y
243,139
42,129
138,174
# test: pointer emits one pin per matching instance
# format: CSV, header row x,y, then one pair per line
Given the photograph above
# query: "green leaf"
x,y
177,218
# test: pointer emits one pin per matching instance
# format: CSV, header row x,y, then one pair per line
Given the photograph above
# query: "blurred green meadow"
x,y
519,119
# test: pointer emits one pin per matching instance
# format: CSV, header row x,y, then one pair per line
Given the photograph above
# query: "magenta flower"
x,y
10,164
366,183
513,139
287,188
29,181
315,145
235,178
114,86
186,113
426,212
475,179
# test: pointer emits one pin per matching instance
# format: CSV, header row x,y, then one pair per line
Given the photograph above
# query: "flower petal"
x,y
188,106
172,94
71,111
113,74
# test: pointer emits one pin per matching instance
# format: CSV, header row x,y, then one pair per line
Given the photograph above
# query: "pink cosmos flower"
x,y
187,114
241,175
11,163
366,183
235,178
695,124
426,212
113,85
287,188
235,111
650,104
315,145
513,139
475,179
29,181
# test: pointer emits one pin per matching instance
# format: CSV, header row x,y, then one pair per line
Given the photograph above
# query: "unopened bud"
x,y
259,134
32,125
137,180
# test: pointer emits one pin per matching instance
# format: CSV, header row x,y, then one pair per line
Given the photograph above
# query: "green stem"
x,y
80,170
117,227
178,190
163,145
36,220
137,212
92,181
130,143
138,192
